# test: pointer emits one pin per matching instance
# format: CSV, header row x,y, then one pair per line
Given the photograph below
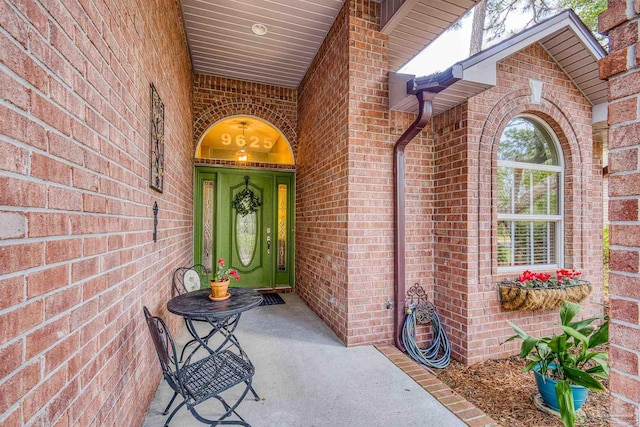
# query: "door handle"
x,y
268,244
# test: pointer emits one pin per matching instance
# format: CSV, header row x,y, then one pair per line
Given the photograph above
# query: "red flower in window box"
x,y
532,290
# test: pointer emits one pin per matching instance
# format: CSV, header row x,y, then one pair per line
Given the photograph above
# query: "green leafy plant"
x,y
570,357
246,201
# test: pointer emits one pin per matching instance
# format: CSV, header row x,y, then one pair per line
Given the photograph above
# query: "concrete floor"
x,y
307,377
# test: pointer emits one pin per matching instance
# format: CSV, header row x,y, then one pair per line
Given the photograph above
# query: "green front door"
x,y
259,243
245,240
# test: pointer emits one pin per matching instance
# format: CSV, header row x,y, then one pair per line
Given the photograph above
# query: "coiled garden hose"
x,y
429,356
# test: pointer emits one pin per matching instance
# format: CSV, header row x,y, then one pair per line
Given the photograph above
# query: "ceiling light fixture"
x,y
259,29
242,154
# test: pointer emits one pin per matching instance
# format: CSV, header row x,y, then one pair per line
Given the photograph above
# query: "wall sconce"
x,y
155,221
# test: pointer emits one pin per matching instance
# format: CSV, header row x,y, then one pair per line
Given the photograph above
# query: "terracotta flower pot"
x,y
219,290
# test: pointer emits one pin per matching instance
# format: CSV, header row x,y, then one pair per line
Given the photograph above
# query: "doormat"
x,y
272,299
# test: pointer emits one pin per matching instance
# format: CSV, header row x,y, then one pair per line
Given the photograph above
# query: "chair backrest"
x,y
165,347
187,279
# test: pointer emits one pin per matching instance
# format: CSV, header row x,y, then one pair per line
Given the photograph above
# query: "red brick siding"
x,y
419,209
215,98
622,69
568,114
322,179
449,210
370,192
77,260
452,206
344,230
465,242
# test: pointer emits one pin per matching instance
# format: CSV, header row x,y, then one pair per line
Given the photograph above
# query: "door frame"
x,y
213,173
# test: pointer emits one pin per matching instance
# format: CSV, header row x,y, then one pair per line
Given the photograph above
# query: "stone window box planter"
x,y
515,297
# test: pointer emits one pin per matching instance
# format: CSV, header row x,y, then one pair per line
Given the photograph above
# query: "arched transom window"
x,y
245,139
530,175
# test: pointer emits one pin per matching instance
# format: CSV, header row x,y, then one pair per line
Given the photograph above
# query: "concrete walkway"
x,y
307,377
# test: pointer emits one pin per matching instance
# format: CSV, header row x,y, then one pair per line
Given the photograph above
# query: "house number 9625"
x,y
241,141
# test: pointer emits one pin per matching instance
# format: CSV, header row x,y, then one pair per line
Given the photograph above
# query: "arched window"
x,y
530,176
245,139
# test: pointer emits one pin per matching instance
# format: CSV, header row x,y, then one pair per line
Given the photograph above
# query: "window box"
x,y
543,291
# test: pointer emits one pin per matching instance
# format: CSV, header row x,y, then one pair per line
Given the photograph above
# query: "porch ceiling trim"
x,y
393,12
563,36
413,24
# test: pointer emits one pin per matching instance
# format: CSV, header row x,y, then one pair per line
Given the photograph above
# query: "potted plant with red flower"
x,y
220,282
532,291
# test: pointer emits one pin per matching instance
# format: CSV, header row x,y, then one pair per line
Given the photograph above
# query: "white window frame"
x,y
557,219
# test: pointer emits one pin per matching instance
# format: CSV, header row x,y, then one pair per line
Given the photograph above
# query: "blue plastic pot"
x,y
547,389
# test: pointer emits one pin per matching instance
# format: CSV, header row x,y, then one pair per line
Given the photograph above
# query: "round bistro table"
x,y
222,316
197,304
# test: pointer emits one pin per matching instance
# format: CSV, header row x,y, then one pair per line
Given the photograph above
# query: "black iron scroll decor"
x,y
156,155
155,221
419,303
416,295
246,201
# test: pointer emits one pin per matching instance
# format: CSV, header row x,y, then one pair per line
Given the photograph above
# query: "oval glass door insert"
x,y
246,237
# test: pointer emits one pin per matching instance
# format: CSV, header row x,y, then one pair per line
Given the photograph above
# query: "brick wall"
x,y
344,229
77,260
451,229
370,192
419,211
622,69
321,180
215,98
450,217
465,258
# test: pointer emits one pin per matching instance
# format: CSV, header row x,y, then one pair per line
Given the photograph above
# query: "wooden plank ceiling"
x,y
222,42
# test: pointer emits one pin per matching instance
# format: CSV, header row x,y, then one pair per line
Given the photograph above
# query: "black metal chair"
x,y
183,280
201,380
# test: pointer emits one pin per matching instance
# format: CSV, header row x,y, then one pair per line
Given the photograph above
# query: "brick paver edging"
x,y
457,404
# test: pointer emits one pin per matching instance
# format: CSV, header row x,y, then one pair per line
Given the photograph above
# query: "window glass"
x,y
207,223
526,141
282,227
246,236
245,139
528,197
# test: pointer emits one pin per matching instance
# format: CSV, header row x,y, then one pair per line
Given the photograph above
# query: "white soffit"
x,y
564,37
413,24
222,43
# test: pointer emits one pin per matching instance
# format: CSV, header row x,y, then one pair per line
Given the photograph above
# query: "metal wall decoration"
x,y
416,295
418,302
155,221
246,201
156,155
